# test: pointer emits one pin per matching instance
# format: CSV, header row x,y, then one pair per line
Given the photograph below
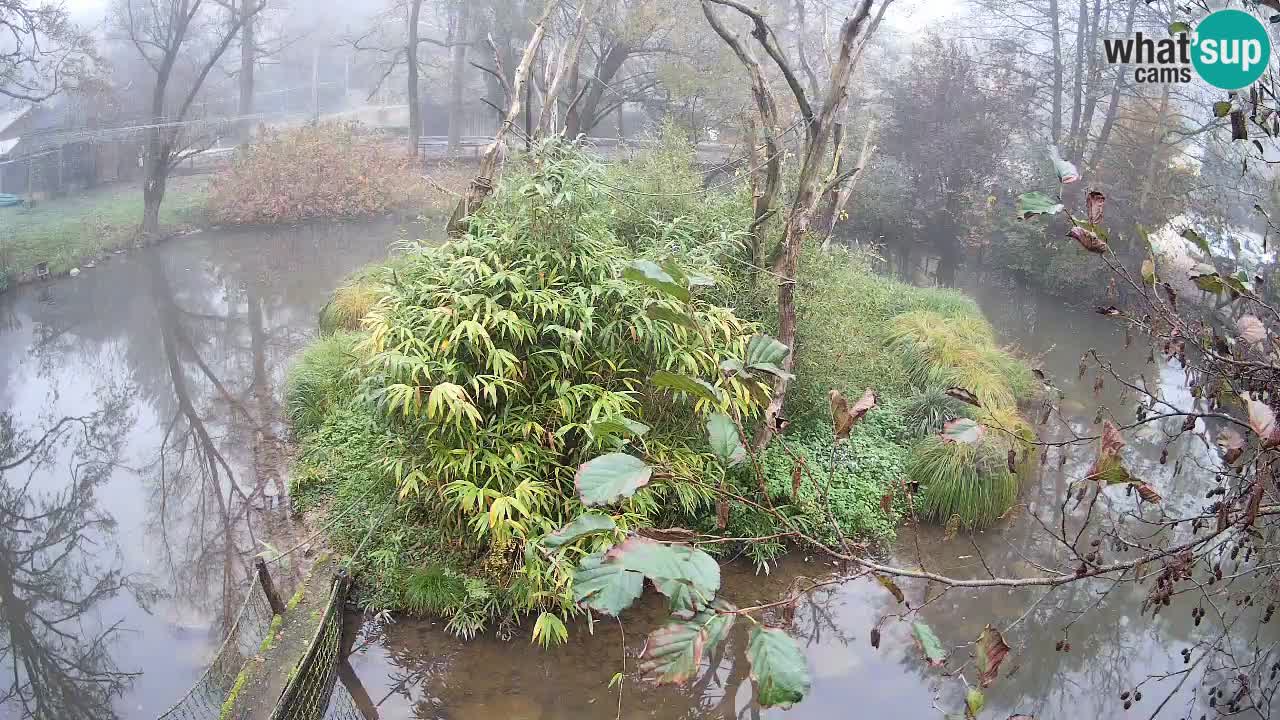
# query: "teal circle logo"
x,y
1231,49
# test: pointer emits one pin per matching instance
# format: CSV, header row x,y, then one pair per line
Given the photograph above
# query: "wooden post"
x,y
268,587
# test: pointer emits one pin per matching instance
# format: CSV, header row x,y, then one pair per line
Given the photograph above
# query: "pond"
x,y
142,466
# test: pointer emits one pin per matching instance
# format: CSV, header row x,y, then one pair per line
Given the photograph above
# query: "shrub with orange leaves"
x,y
329,170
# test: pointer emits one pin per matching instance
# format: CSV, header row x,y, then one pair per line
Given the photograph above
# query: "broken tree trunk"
x,y
482,184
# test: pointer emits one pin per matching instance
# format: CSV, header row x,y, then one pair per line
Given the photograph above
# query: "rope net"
x,y
307,696
244,637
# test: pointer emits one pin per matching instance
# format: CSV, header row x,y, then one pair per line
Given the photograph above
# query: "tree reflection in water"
x,y
55,571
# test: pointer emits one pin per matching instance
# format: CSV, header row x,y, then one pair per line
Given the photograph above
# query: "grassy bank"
x,y
68,231
444,414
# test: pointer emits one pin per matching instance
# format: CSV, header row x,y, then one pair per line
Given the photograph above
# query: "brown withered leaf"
x,y
1251,329
722,514
1088,239
953,527
1012,461
1147,493
1170,293
964,395
1094,204
886,502
1108,310
797,476
1039,374
1232,445
1189,423
1098,384
1262,419
888,584
991,650
875,637
1108,468
844,417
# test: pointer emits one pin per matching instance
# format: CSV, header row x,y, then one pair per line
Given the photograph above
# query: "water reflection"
x,y
52,580
144,521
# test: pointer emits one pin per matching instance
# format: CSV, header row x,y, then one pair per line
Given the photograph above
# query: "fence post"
x,y
268,587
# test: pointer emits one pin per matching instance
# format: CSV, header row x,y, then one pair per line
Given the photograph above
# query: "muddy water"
x,y
415,669
141,458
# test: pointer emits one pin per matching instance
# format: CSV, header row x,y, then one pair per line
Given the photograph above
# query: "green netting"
x,y
311,685
244,636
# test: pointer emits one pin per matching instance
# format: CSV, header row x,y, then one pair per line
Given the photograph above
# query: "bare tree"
x,y
42,50
182,41
818,126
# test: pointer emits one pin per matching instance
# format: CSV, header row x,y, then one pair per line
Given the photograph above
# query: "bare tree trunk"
x,y
546,118
587,115
1113,105
411,61
248,63
842,193
1093,79
482,184
457,74
808,193
1077,92
1055,36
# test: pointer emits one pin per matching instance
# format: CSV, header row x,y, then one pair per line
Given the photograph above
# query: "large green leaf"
x,y
725,442
766,354
582,526
610,478
1206,277
647,272
1033,204
658,312
669,562
674,651
604,586
973,702
685,384
929,644
778,667
962,430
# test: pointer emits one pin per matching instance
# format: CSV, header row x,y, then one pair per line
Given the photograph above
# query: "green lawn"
x,y
67,231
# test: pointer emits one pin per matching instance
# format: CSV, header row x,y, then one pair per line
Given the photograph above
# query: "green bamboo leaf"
x,y
647,272
930,644
778,667
685,384
610,478
581,526
604,586
725,442
1034,204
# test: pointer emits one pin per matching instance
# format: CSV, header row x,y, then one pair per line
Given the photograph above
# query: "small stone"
x,y
74,272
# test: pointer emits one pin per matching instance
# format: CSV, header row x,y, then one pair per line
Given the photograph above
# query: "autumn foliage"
x,y
330,170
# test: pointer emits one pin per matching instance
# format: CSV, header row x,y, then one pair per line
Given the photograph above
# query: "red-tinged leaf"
x,y
843,417
1147,493
888,584
964,395
886,502
1088,240
1232,445
1251,329
991,651
1263,420
963,430
1108,469
1094,204
674,651
1112,441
